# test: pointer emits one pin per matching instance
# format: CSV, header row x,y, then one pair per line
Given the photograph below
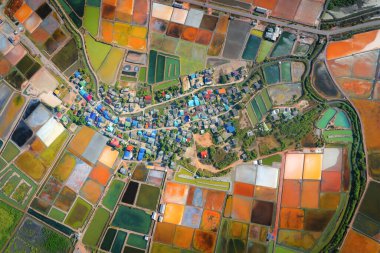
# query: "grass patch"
x,y
96,51
10,217
95,229
272,159
264,50
55,242
108,70
189,66
326,118
128,78
252,115
10,152
338,136
184,176
142,75
57,214
165,85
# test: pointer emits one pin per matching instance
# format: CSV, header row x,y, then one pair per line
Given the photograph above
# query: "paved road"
x,y
287,24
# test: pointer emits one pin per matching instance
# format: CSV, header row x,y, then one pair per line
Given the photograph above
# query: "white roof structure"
x,y
50,131
267,176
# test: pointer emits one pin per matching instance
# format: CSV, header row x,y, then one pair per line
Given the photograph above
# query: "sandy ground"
x,y
229,67
79,248
69,98
192,154
244,120
211,168
204,140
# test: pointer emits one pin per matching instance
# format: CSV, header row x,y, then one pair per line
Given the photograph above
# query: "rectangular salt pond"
x,y
132,219
50,131
267,176
312,166
294,166
246,174
79,175
155,177
251,48
284,45
5,93
237,32
162,11
38,117
5,45
332,159
95,148
194,18
176,193
179,16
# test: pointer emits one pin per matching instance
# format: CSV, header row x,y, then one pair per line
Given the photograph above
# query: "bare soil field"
x,y
204,140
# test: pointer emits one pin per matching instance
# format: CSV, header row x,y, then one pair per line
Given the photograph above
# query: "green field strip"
x,y
266,98
160,68
264,50
113,193
338,136
57,214
286,75
326,118
91,19
3,163
256,109
152,66
142,75
165,85
252,115
96,51
172,68
10,152
271,159
136,241
96,227
184,176
344,132
261,105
